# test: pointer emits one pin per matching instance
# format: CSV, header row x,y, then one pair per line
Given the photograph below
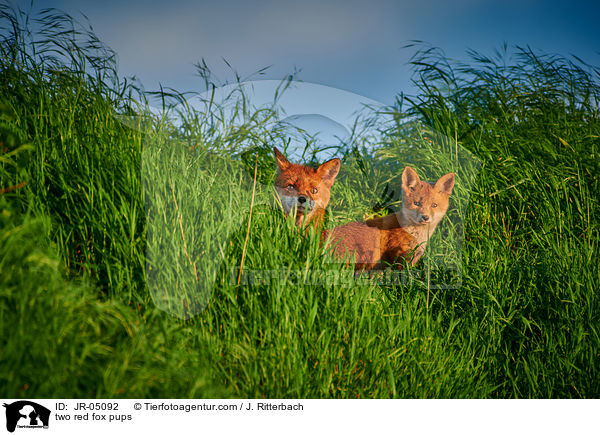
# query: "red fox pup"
x,y
403,234
304,192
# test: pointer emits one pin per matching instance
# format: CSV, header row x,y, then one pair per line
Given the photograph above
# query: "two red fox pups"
x,y
305,193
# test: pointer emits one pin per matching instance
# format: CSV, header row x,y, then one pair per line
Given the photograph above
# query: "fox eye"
x,y
434,205
417,203
290,187
315,190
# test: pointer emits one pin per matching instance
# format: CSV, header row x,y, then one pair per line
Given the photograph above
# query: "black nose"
x,y
301,200
425,218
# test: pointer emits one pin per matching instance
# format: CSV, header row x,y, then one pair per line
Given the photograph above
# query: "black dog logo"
x,y
28,412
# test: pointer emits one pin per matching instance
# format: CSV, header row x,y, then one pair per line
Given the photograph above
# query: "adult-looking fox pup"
x,y
398,235
304,192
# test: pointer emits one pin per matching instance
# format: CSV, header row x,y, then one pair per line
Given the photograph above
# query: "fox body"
x,y
403,234
305,192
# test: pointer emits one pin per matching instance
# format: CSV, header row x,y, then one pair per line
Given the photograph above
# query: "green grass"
x,y
118,256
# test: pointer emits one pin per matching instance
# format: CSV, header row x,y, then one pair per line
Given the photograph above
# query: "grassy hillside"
x,y
107,230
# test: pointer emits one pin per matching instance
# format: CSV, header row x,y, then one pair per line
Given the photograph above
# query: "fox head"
x,y
425,203
304,191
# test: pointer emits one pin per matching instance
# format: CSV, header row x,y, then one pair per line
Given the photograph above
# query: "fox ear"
x,y
329,170
410,179
445,184
282,162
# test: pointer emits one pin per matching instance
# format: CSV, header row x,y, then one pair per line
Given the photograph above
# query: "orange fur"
x,y
305,192
400,235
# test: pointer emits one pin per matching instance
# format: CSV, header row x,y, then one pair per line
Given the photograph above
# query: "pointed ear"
x,y
445,184
329,170
282,162
410,179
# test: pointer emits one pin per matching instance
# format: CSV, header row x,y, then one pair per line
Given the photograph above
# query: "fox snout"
x,y
419,217
295,203
425,211
299,203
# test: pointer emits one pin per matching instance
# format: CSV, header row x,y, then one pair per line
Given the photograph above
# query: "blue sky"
x,y
354,46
